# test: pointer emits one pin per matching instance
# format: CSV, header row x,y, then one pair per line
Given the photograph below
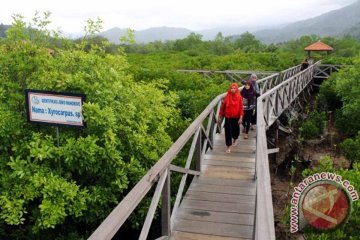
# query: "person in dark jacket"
x,y
304,64
248,97
232,109
256,87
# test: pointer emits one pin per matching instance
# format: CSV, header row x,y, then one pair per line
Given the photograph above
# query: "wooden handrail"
x,y
122,211
264,215
280,97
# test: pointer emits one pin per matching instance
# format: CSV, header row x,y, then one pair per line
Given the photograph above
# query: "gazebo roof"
x,y
318,46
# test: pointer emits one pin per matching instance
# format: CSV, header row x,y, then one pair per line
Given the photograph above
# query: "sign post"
x,y
53,108
59,109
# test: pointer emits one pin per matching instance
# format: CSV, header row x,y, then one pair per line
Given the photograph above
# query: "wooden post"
x,y
198,151
165,207
277,137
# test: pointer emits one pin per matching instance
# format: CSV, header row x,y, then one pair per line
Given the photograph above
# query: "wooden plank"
x,y
222,135
221,143
229,175
223,182
236,149
196,236
222,189
228,169
251,134
229,157
218,229
219,217
241,142
220,138
237,154
229,163
219,197
219,206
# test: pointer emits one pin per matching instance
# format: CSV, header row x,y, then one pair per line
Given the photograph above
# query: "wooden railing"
x,y
270,105
325,70
202,140
273,80
232,75
276,100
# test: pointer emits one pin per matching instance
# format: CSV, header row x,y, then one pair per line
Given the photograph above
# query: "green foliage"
x,y
351,149
248,43
77,184
297,46
346,46
220,45
191,42
341,92
309,130
313,126
129,37
328,99
136,106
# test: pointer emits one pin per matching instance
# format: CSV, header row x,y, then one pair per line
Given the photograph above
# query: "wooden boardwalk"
x,y
220,204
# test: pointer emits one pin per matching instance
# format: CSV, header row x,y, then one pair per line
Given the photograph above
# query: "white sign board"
x,y
55,108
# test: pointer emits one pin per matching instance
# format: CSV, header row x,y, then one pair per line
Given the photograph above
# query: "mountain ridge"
x,y
334,23
340,22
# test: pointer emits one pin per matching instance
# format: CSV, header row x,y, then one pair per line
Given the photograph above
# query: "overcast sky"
x,y
70,16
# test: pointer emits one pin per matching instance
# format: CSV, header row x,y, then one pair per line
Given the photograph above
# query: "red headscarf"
x,y
232,106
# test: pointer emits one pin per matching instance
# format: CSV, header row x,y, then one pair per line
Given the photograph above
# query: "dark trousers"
x,y
253,117
232,130
247,119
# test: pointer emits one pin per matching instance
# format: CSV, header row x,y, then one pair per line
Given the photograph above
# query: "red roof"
x,y
318,46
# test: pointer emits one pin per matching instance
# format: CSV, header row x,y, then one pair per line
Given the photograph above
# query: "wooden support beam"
x,y
184,170
273,150
166,206
154,202
286,130
163,238
183,179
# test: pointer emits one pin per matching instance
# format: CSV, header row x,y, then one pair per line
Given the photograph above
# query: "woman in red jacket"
x,y
232,109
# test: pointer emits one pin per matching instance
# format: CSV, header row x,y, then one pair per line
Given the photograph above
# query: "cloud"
x,y
71,16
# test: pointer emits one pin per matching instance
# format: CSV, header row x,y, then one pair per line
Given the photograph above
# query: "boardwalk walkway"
x,y
221,200
220,204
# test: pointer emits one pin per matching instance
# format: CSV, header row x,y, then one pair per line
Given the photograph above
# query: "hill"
x,y
334,23
148,35
3,29
344,21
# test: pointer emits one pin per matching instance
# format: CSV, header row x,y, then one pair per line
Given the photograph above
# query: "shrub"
x,y
351,149
313,126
